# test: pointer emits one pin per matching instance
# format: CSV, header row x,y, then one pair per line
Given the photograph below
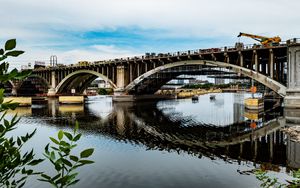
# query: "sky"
x,y
77,30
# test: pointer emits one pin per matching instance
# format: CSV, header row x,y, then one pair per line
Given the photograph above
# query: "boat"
x,y
212,97
195,98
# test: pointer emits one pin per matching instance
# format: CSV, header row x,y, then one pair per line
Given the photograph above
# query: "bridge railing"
x,y
148,56
293,41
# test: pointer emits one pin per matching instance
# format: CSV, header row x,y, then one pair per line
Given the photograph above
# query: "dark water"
x,y
174,143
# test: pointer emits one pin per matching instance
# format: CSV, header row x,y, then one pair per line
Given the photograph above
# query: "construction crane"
x,y
265,41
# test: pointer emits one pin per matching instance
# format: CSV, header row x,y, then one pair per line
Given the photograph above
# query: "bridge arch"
x,y
32,85
80,79
265,80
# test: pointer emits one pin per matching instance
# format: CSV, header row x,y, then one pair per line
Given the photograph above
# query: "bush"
x,y
15,167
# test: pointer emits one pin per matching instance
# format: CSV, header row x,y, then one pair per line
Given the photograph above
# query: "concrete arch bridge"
x,y
276,67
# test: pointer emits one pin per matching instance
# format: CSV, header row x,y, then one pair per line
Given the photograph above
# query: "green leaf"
x,y
14,53
35,162
19,142
60,134
1,51
47,149
10,44
52,156
77,137
66,162
46,176
54,140
55,177
86,162
68,135
86,153
74,158
64,143
73,182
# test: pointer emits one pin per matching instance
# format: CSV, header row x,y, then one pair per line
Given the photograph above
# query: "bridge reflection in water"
x,y
150,125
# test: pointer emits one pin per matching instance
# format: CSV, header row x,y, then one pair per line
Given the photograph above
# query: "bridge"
x,y
276,67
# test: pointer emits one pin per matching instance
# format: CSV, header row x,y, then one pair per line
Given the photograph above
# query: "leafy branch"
x,y
60,156
14,166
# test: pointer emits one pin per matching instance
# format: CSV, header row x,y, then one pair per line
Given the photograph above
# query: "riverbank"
x,y
191,92
187,93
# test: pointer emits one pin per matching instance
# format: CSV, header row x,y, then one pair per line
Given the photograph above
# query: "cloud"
x,y
135,26
92,53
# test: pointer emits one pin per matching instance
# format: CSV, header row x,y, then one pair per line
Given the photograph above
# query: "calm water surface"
x,y
174,143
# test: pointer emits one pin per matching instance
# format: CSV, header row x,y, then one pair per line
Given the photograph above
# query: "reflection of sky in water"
x,y
227,108
100,106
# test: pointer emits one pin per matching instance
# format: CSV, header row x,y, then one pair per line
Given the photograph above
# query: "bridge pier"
x,y
52,90
292,98
122,77
14,91
292,118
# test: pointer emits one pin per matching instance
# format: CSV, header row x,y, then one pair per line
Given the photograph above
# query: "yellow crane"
x,y
265,41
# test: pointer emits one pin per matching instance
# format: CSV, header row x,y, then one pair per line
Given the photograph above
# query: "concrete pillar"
x,y
130,73
121,77
255,60
138,69
146,67
107,71
113,73
293,153
53,80
226,57
271,63
241,59
52,91
14,91
292,118
292,98
102,70
271,144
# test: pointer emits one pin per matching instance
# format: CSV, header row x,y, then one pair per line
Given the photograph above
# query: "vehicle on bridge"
x,y
265,41
83,63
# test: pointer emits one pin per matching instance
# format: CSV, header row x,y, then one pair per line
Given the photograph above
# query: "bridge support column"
x,y
292,99
241,59
292,118
14,91
122,79
52,91
256,61
130,72
271,66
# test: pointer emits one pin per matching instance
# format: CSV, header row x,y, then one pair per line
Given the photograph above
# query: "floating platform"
x,y
254,103
71,99
23,101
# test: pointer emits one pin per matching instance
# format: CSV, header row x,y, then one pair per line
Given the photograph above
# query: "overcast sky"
x,y
97,29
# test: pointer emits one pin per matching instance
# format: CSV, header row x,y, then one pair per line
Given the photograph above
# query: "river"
x,y
171,143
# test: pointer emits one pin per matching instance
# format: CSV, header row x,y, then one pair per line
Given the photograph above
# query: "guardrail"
x,y
147,56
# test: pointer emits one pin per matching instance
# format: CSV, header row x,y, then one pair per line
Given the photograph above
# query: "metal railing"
x,y
149,56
